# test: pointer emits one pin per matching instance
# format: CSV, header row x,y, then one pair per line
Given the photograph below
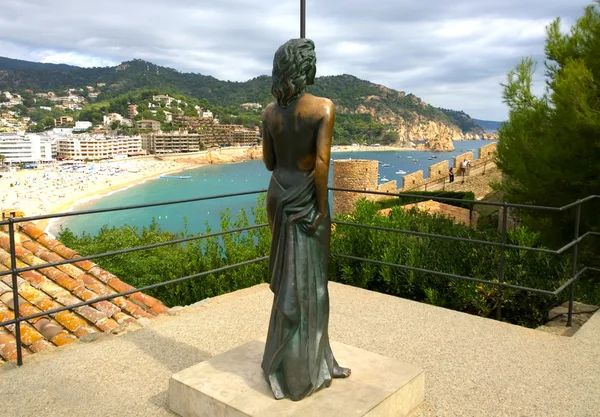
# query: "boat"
x,y
385,165
177,177
415,160
400,172
384,179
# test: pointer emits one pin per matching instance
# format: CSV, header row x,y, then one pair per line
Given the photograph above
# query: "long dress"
x,y
298,359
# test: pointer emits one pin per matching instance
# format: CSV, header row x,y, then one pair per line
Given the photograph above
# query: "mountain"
x,y
488,125
466,124
368,112
17,64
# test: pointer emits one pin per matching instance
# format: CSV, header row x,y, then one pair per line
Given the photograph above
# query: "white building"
x,y
207,114
81,126
81,148
27,148
164,99
111,117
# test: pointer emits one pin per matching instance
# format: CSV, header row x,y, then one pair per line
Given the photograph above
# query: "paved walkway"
x,y
473,366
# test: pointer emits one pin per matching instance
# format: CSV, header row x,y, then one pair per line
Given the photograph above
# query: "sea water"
x,y
211,180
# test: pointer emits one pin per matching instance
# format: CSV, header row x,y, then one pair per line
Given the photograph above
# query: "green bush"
x,y
526,268
165,263
400,201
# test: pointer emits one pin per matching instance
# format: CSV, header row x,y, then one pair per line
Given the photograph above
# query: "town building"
x,y
153,125
111,117
173,142
251,106
165,99
81,126
132,110
27,148
63,121
81,148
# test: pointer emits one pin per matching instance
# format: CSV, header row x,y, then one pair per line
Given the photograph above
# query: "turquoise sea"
x,y
222,179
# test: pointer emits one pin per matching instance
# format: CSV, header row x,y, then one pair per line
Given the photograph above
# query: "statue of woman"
x,y
297,133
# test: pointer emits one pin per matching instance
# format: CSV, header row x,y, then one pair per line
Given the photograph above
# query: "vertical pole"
x,y
15,289
574,268
502,261
303,19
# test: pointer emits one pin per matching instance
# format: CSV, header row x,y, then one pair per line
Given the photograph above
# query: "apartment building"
x,y
173,142
81,148
27,148
132,110
82,125
153,125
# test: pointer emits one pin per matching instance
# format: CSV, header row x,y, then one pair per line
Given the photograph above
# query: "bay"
x,y
213,180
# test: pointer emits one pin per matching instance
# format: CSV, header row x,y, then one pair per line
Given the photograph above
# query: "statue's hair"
x,y
291,65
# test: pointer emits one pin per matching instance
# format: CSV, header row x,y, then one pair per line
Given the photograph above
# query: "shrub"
x,y
468,196
526,268
165,263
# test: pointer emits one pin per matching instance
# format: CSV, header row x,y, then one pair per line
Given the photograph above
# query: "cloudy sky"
x,y
451,53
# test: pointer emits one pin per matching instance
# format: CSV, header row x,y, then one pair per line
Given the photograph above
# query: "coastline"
x,y
69,196
69,204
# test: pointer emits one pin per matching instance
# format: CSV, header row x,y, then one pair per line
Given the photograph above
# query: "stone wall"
x,y
354,174
412,180
458,160
438,170
362,175
487,152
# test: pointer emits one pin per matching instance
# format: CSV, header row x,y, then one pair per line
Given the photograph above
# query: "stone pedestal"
x,y
233,385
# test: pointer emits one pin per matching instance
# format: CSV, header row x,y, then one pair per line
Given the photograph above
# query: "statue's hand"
x,y
311,228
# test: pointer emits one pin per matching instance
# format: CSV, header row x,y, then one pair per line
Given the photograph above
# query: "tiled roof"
x,y
54,287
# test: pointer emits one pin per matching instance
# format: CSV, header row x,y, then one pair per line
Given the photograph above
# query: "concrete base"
x,y
233,385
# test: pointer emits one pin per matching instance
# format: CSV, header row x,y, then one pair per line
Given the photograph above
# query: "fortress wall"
x,y
412,180
438,170
458,159
362,175
353,174
487,152
388,187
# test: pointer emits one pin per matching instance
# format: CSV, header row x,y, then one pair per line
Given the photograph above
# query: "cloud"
x,y
452,54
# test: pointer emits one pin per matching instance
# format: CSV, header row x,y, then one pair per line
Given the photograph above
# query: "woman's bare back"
x,y
293,135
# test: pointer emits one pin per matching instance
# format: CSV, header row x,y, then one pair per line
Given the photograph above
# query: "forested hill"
x,y
401,112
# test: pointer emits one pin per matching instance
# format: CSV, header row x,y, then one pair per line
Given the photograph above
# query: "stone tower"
x,y
354,174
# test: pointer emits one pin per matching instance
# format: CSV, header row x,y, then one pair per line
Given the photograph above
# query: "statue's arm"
x,y
268,151
324,138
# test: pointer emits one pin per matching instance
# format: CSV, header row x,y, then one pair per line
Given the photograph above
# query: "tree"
x,y
2,159
115,124
549,149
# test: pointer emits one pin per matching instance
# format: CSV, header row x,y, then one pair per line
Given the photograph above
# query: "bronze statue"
x,y
297,133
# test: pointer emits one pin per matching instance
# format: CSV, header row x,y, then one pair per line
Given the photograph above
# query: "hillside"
x,y
488,125
368,113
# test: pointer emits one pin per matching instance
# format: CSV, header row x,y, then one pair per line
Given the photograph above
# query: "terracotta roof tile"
x,y
50,288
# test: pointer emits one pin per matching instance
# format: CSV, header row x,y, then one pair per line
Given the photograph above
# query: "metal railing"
x,y
14,271
573,244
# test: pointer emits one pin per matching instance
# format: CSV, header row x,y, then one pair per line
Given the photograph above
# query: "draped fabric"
x,y
298,359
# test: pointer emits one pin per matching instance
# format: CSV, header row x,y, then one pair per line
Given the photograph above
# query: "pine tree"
x,y
549,148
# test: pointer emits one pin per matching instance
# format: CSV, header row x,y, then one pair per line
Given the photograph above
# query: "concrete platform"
x,y
232,385
475,367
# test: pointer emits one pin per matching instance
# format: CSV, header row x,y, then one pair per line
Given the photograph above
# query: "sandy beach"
x,y
56,188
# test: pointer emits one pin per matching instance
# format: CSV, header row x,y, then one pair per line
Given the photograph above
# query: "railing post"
x,y
15,288
574,268
502,261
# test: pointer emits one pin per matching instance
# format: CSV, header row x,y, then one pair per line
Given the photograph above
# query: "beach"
x,y
56,188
